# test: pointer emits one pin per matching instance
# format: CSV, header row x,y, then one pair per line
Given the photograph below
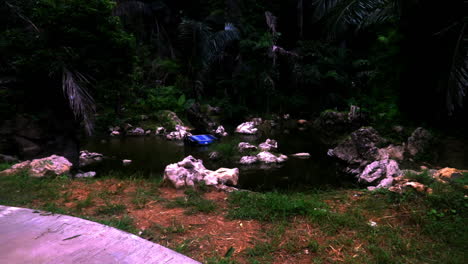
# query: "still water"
x,y
151,154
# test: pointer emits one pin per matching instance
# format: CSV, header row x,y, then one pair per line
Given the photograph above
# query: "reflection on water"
x,y
150,155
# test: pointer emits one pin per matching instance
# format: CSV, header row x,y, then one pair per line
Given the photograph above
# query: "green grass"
x,y
88,202
227,148
124,223
272,206
144,195
111,209
21,190
193,202
422,177
4,166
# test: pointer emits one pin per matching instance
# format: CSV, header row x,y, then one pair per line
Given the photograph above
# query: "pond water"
x,y
151,154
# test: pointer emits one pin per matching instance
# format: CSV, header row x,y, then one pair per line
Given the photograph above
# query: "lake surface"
x,y
151,154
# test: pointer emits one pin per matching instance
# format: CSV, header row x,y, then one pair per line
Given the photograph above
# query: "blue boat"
x,y
201,139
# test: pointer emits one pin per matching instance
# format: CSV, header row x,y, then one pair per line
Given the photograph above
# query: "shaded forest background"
x,y
101,61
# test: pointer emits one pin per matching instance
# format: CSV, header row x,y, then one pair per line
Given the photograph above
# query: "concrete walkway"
x,y
29,236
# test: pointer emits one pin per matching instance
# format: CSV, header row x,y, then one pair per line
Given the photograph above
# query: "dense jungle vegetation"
x,y
397,60
74,72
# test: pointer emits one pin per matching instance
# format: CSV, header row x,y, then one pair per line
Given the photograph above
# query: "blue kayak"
x,y
202,139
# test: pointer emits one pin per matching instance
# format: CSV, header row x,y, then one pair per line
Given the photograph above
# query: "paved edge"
x,y
32,236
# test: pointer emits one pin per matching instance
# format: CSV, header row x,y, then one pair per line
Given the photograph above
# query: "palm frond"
x,y
324,7
271,21
81,102
458,77
218,42
343,14
131,8
387,12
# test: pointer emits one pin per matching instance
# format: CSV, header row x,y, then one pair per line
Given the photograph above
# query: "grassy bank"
x,y
318,226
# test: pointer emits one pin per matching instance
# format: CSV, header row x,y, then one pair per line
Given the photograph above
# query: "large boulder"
x,y
49,166
332,122
269,145
88,158
378,171
190,171
248,128
419,141
361,146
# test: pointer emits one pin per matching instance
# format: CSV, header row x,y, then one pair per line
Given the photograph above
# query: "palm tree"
x,y
202,47
344,15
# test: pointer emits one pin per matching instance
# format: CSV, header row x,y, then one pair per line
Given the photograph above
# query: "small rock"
x,y
220,131
136,132
247,128
244,146
303,155
88,174
214,155
88,158
302,121
115,133
160,131
398,129
269,145
126,162
379,170
148,132
179,134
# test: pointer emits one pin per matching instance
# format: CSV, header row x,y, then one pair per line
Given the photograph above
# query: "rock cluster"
x,y
190,171
220,132
269,145
362,155
265,156
88,158
179,133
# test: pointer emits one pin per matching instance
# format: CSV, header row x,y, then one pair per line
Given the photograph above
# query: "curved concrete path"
x,y
30,236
